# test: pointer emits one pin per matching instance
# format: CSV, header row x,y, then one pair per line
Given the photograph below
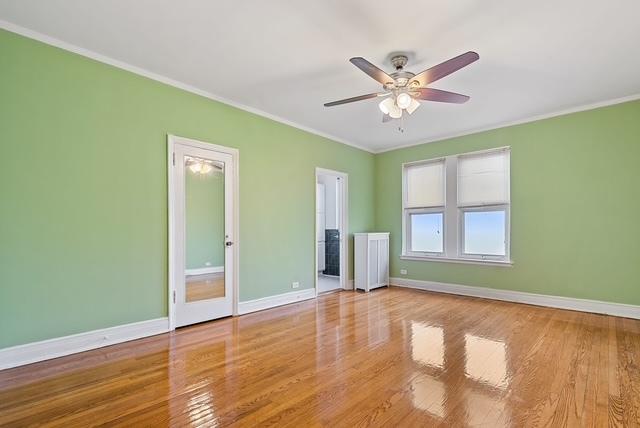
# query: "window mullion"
x,y
451,228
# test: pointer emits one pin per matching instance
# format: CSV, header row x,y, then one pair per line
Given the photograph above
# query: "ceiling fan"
x,y
403,89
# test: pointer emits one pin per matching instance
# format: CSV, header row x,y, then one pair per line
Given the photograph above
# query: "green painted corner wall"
x,y
204,217
83,218
83,183
575,189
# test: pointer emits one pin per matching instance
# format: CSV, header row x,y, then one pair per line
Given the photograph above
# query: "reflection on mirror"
x,y
204,214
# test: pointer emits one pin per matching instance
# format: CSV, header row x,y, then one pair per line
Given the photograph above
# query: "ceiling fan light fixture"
x,y
386,105
413,106
403,100
395,112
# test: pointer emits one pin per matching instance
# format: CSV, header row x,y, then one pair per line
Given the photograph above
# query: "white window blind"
x,y
425,185
483,179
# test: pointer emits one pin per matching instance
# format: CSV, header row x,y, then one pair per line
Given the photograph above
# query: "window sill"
x,y
467,261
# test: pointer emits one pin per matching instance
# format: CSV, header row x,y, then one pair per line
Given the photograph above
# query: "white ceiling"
x,y
285,58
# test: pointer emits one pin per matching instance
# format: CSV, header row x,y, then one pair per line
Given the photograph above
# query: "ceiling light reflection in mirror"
x,y
201,166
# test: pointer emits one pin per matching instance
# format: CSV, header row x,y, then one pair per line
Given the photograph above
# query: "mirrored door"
x,y
203,236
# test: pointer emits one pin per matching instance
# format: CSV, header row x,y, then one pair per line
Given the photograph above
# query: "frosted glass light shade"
x,y
403,100
413,106
386,105
395,112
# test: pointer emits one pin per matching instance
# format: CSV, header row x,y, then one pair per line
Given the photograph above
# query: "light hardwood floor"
x,y
394,357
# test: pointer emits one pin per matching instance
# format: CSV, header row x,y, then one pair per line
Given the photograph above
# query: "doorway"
x,y
203,255
331,230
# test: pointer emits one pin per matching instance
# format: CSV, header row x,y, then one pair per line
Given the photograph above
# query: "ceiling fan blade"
x,y
444,69
385,118
371,70
353,99
431,94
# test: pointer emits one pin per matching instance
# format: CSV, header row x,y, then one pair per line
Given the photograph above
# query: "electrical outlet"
x,y
295,284
403,271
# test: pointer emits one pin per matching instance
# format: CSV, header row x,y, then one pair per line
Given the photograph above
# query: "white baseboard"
x,y
349,284
273,301
61,346
583,305
204,271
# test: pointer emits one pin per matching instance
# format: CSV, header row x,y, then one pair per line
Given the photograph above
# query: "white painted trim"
x,y
350,284
172,140
166,80
344,226
577,109
582,305
204,270
277,300
466,260
61,346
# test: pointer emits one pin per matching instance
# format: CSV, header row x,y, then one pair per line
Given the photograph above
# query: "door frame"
x,y
172,140
344,227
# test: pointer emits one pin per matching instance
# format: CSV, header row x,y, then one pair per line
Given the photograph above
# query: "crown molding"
x,y
584,107
52,41
31,34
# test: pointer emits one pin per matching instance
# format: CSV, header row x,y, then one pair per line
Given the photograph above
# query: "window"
x,y
426,232
484,232
424,207
457,208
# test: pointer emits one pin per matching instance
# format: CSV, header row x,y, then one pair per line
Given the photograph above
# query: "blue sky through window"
x,y
484,232
426,232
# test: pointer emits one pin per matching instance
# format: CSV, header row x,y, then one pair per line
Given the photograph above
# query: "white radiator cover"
x,y
371,260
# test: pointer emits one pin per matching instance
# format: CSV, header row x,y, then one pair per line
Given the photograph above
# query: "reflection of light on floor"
x,y
482,410
486,361
427,344
428,395
201,409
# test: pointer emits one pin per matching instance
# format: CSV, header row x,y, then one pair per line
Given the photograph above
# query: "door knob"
x,y
228,243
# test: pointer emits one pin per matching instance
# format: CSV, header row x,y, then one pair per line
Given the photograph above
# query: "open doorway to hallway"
x,y
331,215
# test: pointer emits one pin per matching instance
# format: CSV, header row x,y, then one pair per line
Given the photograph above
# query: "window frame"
x,y
453,215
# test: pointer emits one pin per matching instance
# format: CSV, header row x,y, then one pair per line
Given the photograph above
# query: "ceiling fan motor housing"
x,y
399,61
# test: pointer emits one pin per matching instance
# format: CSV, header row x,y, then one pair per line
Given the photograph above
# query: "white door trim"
x,y
172,140
344,227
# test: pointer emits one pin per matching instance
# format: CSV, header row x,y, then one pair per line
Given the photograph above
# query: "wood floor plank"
x,y
393,357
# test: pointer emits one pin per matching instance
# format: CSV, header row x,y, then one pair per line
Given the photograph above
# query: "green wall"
x,y
575,206
83,184
83,218
204,217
